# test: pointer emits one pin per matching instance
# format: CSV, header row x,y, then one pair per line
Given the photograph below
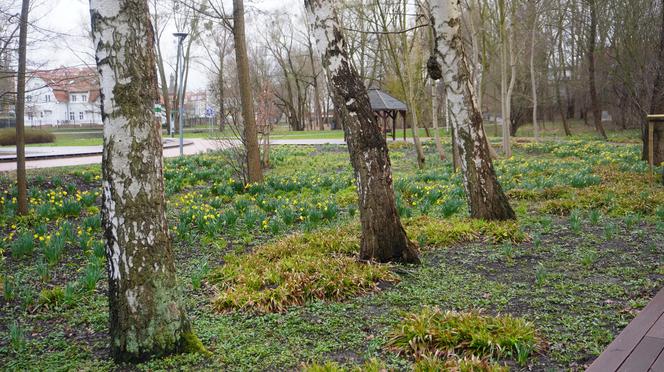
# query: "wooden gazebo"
x,y
385,106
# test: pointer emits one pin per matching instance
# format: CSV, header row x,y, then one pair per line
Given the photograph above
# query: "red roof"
x,y
66,80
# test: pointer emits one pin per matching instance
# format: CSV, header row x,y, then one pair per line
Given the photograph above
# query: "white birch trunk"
x,y
383,236
146,318
434,119
485,196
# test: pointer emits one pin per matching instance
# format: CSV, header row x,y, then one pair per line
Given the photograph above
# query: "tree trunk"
x,y
160,67
533,77
510,89
564,109
485,196
255,173
221,93
504,101
657,104
146,317
594,101
456,161
383,237
21,176
164,90
406,81
434,119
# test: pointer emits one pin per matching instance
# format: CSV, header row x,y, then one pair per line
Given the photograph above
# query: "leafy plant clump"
x,y
299,268
426,364
442,233
433,332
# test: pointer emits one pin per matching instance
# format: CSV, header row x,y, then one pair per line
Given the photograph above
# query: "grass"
x,y
552,130
271,280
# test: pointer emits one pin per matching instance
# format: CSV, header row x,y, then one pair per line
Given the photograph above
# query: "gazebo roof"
x,y
381,101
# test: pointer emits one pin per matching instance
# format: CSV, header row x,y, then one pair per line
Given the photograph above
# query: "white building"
x,y
67,96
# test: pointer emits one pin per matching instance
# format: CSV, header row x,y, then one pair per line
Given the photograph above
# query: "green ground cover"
x,y
270,278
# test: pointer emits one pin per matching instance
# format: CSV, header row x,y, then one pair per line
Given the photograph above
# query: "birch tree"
x,y
485,196
383,237
146,316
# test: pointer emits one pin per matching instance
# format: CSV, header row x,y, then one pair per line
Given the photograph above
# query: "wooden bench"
x,y
640,346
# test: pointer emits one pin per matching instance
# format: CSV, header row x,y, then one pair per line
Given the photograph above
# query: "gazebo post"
x,y
394,126
403,116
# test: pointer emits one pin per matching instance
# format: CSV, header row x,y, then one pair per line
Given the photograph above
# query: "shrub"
x,y
469,334
8,136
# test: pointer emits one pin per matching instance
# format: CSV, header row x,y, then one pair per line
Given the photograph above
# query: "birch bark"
x,y
146,317
485,196
383,236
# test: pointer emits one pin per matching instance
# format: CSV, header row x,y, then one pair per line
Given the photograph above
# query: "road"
x,y
68,156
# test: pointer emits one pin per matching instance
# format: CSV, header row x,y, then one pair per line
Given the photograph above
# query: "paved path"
x,y
83,155
640,346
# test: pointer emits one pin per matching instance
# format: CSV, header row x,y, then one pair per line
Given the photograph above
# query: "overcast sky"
x,y
70,19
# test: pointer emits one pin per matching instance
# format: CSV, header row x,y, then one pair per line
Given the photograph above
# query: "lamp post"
x,y
181,36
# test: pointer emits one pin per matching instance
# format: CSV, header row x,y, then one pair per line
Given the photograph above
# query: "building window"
x,y
84,98
41,114
73,98
28,98
47,98
30,117
80,116
71,116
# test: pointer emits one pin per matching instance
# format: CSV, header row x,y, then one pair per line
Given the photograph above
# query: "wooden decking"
x,y
640,346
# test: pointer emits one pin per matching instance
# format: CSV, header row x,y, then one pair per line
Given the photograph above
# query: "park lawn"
x,y
551,130
583,258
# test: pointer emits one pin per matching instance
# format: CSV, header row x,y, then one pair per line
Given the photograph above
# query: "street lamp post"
x,y
181,36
